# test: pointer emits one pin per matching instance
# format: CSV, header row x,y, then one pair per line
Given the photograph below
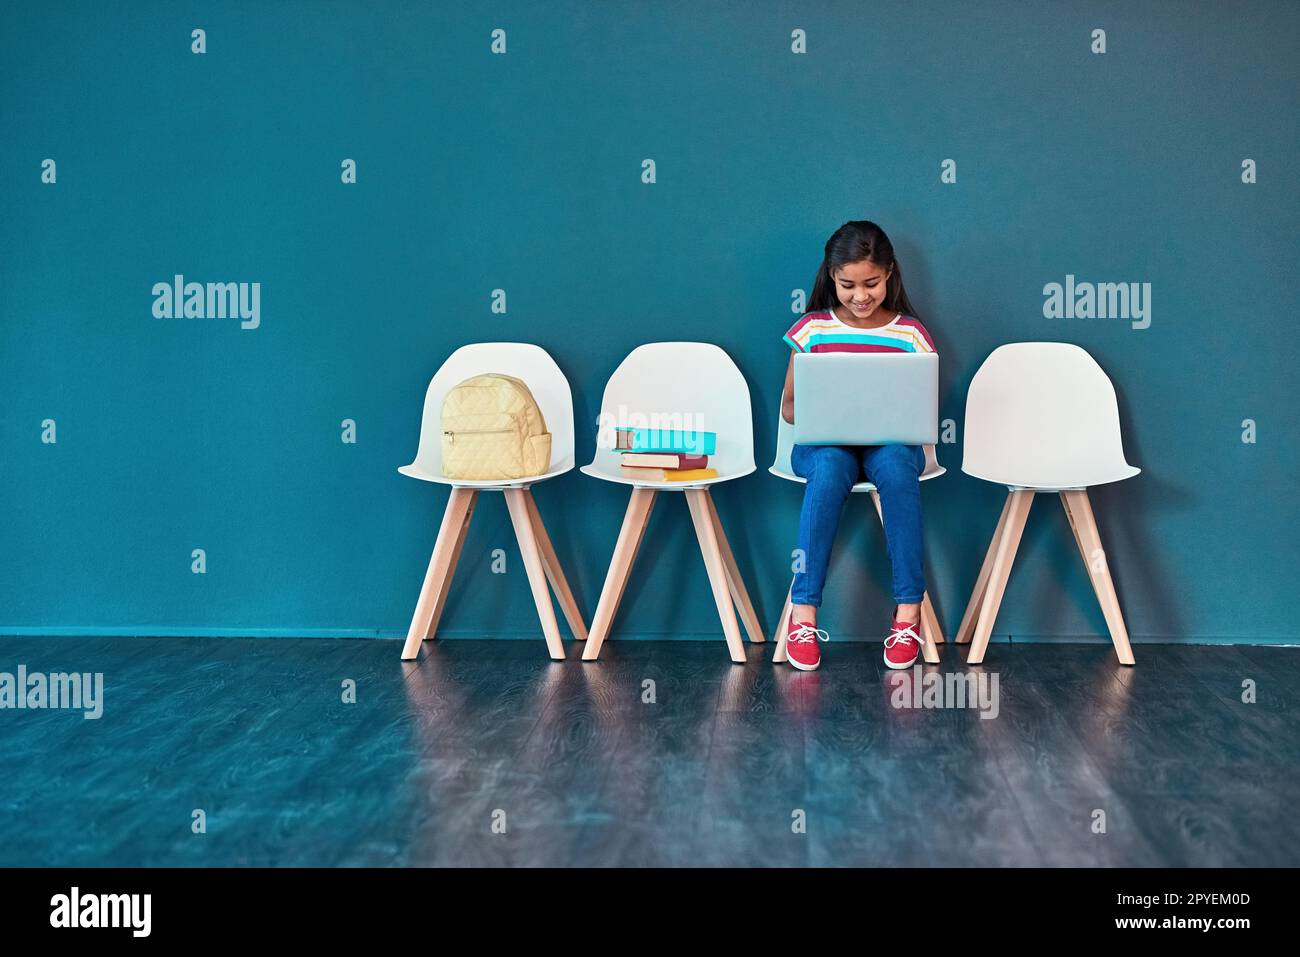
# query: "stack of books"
x,y
666,455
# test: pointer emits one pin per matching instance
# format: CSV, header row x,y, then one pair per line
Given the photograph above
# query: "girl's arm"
x,y
787,396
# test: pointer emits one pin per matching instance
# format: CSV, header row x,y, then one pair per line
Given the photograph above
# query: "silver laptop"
x,y
866,398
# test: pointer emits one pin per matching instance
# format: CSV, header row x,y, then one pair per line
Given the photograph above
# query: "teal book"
x,y
666,440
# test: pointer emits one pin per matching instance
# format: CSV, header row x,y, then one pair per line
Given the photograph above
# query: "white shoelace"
x,y
806,632
901,634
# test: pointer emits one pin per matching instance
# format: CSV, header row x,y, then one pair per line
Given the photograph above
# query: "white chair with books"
x,y
931,632
535,367
663,401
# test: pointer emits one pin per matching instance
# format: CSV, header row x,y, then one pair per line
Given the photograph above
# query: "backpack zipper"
x,y
453,433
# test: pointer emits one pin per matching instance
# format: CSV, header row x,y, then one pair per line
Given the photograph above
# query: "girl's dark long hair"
x,y
853,242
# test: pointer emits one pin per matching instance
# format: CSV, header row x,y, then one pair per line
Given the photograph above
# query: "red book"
x,y
665,460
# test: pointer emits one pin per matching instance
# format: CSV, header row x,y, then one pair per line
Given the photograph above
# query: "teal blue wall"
x,y
523,172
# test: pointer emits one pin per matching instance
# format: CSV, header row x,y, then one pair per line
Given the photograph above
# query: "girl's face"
x,y
860,287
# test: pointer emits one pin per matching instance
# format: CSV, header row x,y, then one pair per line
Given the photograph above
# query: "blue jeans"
x,y
831,471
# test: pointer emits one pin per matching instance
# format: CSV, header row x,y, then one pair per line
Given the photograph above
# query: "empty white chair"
x,y
678,385
550,388
931,633
1042,417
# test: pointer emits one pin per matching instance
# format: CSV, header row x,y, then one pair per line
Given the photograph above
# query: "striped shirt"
x,y
823,331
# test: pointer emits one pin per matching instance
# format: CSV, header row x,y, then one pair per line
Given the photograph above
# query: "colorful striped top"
x,y
823,331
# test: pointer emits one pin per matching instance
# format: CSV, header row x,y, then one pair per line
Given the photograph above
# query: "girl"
x,y
858,305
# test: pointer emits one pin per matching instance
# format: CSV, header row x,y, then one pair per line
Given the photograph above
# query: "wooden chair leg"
x,y
739,594
779,635
522,521
1083,546
931,635
438,575
967,626
931,619
1078,510
1008,542
717,571
451,567
554,571
1074,529
635,520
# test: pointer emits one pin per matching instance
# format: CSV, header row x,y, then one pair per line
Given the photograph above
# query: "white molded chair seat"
x,y
606,467
1042,417
689,385
415,471
523,360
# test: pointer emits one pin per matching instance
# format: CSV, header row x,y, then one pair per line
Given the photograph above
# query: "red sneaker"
x,y
801,648
903,644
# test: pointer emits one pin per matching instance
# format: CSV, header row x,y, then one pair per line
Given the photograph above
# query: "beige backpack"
x,y
493,429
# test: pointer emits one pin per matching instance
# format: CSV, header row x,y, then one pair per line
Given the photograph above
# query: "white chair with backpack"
x,y
698,386
931,632
1041,417
498,363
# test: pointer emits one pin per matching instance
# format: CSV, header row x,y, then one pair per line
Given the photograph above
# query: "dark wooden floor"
x,y
255,733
